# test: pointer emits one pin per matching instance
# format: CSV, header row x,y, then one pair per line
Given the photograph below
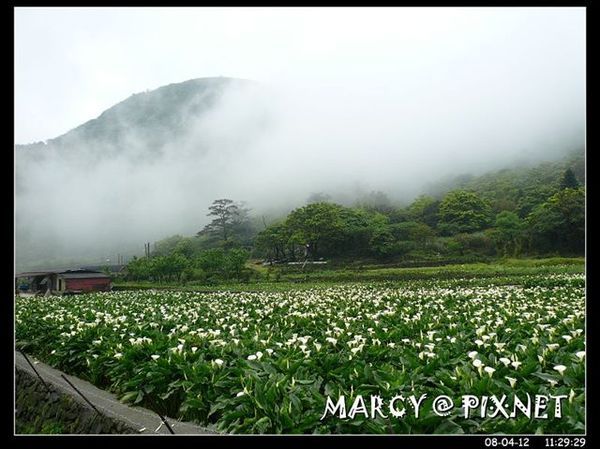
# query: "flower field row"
x,y
265,362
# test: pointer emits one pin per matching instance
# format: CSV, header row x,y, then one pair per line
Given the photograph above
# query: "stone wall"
x,y
53,406
49,410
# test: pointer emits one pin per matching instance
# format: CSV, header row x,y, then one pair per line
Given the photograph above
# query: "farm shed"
x,y
62,281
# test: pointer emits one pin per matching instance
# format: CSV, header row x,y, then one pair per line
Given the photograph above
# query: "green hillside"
x,y
517,189
151,119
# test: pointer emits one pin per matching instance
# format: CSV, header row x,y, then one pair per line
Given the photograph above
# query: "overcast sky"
x,y
73,63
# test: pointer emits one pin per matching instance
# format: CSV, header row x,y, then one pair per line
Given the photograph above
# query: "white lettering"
x,y
358,407
469,402
331,408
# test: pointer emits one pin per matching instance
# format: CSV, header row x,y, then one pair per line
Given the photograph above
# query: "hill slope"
x,y
516,188
151,118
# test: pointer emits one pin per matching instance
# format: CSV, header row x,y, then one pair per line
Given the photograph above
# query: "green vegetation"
x,y
43,426
520,213
280,278
463,212
210,266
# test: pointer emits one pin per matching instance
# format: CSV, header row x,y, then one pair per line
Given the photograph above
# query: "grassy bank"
x,y
505,271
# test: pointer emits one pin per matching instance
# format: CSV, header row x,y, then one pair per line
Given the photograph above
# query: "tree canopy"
x,y
230,224
509,213
462,211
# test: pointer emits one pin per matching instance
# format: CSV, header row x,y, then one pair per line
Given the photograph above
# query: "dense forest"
x,y
519,212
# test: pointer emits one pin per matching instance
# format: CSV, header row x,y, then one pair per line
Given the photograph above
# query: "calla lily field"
x,y
266,361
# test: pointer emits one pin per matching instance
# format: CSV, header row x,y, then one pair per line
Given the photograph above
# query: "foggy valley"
x,y
149,166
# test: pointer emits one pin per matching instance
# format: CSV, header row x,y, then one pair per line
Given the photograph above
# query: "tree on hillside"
x,y
139,268
167,245
235,262
172,267
230,220
507,233
218,264
559,223
243,230
382,243
376,201
413,231
185,247
212,262
568,180
425,209
530,198
463,212
357,228
158,268
274,242
316,225
419,205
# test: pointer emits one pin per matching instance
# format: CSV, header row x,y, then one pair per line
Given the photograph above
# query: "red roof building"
x,y
58,282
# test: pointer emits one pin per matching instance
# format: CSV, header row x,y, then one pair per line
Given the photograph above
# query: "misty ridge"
x,y
150,166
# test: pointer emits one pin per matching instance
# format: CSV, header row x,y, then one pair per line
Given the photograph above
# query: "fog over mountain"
x,y
150,166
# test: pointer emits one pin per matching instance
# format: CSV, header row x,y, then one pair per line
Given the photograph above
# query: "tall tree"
x,y
229,218
274,242
462,211
316,225
242,230
559,223
507,233
568,180
424,209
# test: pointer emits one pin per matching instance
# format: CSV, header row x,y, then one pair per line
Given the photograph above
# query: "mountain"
x,y
130,174
151,119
